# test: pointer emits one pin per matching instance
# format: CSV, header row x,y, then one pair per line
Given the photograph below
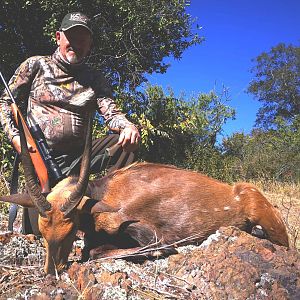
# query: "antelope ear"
x,y
92,206
20,199
101,207
86,204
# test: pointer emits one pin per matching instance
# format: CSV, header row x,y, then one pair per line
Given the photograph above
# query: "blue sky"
x,y
235,32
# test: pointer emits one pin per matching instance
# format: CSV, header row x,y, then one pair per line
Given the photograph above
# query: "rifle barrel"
x,y
7,88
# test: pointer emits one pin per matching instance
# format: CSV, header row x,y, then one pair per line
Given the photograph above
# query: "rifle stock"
x,y
37,160
36,157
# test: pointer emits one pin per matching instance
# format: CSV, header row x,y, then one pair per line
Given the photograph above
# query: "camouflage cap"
x,y
75,19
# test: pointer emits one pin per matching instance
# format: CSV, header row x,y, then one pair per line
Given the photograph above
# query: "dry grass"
x,y
285,196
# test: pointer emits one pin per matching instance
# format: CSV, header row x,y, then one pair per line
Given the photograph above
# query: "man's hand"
x,y
16,141
129,138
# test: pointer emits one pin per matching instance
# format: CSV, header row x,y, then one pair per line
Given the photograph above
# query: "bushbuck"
x,y
141,205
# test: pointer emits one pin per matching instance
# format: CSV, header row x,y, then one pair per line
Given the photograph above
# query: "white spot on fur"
x,y
216,209
226,207
237,198
204,211
254,190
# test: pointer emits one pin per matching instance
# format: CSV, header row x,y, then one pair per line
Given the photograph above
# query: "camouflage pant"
x,y
101,159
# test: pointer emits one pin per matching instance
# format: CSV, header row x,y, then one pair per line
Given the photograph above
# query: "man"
x,y
59,90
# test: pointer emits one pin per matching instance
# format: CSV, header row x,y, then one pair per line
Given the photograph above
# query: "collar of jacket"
x,y
65,65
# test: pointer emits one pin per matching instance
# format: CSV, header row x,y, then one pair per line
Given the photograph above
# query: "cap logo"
x,y
78,17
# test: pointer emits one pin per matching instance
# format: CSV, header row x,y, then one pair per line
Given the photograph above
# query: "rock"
x,y
5,237
239,266
230,264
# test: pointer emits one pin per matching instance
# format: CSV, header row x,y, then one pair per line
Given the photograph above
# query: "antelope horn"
x,y
81,186
33,187
20,199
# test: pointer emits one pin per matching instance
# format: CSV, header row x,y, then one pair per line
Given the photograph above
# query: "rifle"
x,y
41,156
52,167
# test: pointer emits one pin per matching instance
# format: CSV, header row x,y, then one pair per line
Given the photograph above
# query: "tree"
x,y
173,127
21,33
277,85
273,150
131,38
272,154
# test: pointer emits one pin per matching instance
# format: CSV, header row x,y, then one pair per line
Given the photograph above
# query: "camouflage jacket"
x,y
59,95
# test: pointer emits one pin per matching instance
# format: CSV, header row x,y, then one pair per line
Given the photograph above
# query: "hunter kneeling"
x,y
59,91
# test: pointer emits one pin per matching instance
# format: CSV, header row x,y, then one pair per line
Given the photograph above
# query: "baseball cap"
x,y
75,19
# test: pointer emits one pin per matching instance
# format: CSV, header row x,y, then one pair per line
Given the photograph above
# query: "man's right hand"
x,y
16,141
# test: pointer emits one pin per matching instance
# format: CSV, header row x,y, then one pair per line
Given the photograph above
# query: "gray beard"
x,y
73,59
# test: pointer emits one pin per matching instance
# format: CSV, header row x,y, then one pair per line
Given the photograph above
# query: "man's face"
x,y
74,43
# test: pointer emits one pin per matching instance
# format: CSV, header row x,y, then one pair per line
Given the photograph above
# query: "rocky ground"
x,y
229,265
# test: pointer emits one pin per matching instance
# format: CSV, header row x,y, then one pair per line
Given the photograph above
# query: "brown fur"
x,y
171,204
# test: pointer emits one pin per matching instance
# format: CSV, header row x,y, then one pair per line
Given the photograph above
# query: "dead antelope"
x,y
139,205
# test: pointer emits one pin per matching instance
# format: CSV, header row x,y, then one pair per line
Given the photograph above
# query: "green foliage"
x,y
210,161
171,126
272,154
131,38
6,156
6,159
276,85
21,33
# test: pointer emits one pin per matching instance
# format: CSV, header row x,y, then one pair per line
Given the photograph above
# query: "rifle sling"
x,y
14,181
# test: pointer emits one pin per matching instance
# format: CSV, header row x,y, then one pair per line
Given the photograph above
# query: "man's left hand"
x,y
129,138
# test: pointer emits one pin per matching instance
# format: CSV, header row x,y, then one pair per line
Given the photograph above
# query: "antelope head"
x,y
58,217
